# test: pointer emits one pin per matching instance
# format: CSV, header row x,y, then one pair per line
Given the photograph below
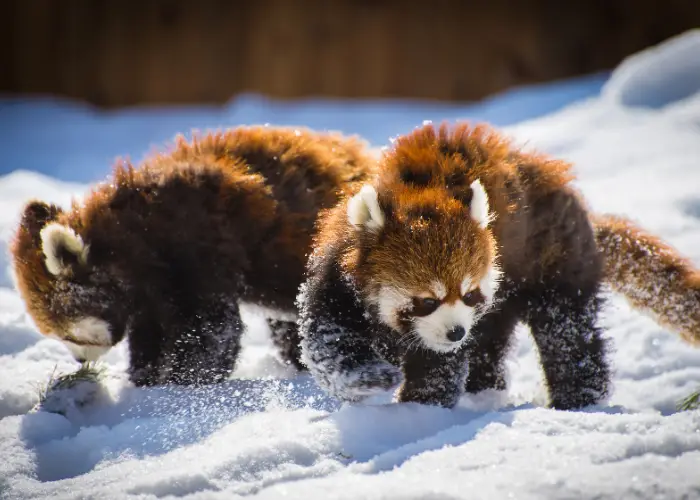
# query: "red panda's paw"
x,y
365,381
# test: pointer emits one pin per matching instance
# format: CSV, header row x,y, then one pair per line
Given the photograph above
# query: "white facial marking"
x,y
364,209
439,290
489,284
90,330
55,236
389,301
433,328
466,286
479,205
88,338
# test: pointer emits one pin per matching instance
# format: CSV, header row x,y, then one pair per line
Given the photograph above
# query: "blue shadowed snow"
x,y
75,142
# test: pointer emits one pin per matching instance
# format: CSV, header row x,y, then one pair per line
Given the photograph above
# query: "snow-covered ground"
x,y
265,433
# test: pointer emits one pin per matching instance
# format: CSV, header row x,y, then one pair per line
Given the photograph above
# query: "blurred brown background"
x,y
116,53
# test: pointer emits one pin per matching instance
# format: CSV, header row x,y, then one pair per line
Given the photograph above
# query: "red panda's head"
x,y
64,294
425,256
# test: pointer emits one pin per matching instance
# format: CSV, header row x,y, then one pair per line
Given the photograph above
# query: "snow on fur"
x,y
636,151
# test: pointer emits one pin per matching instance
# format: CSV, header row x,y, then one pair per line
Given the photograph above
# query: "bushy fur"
x,y
164,253
651,275
418,231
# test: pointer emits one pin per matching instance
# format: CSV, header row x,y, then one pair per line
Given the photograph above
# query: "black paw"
x,y
365,381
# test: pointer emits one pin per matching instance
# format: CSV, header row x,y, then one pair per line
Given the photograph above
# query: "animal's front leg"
x,y
285,337
146,346
433,378
336,341
490,340
343,362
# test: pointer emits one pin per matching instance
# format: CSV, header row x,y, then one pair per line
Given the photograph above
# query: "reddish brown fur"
x,y
227,214
427,175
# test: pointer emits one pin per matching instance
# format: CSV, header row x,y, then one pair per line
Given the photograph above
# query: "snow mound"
x,y
267,433
659,75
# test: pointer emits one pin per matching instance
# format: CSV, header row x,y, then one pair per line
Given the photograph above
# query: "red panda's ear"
x,y
364,210
479,205
36,215
63,249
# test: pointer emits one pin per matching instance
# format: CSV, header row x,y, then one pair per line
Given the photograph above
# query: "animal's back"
x,y
306,171
238,205
178,226
559,238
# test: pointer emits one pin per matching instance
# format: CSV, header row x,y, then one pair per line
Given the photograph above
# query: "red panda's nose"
x,y
457,333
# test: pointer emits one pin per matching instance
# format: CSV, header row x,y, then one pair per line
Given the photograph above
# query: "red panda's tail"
x,y
651,275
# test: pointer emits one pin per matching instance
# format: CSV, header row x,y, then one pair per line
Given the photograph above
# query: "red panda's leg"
x,y
146,339
285,337
489,342
199,348
433,378
344,364
203,348
571,346
337,340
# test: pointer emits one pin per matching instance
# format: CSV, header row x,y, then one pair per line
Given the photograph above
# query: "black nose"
x,y
457,333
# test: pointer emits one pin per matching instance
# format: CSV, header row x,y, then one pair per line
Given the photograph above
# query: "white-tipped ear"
x,y
62,248
364,209
479,205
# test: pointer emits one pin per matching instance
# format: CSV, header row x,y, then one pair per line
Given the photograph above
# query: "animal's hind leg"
x,y
205,349
285,337
571,347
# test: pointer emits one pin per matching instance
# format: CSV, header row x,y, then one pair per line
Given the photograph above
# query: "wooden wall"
x,y
119,52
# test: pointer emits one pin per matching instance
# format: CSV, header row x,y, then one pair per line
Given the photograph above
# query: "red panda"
x,y
423,274
164,253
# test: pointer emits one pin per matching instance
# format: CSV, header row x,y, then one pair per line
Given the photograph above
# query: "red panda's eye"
x,y
423,306
473,298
